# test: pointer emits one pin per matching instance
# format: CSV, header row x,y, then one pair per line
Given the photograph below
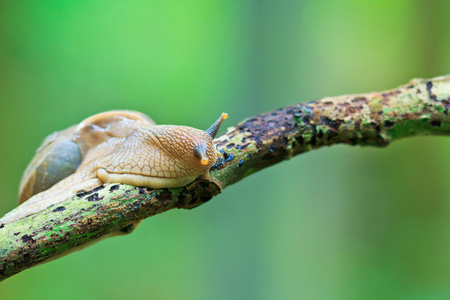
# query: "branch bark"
x,y
420,107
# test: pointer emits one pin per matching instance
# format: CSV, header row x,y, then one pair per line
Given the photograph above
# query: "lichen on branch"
x,y
372,119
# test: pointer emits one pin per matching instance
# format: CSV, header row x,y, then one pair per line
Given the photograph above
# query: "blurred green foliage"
x,y
337,223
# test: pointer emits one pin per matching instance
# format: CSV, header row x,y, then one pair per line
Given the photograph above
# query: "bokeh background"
x,y
337,223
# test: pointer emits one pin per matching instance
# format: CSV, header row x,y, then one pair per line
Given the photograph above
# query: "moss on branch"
x,y
375,119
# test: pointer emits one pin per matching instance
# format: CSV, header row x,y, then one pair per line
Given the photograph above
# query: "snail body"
x,y
114,147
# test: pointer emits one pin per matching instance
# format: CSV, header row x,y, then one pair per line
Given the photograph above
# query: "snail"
x,y
114,147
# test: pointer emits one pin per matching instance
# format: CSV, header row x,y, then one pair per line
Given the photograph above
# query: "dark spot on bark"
x,y
352,110
436,123
164,195
239,147
27,239
299,139
17,233
59,208
231,145
181,198
141,191
2,226
359,99
136,207
127,229
229,157
84,193
333,124
101,187
204,184
241,162
93,198
114,188
330,133
290,111
446,104
221,143
306,119
268,156
357,124
313,139
429,87
376,127
245,145
193,202
388,124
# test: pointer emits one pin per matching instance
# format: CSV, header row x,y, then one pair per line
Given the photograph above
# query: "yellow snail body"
x,y
114,147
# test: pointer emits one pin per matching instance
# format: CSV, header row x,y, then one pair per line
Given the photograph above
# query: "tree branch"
x,y
375,119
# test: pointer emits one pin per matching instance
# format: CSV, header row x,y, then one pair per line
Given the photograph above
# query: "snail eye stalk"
x,y
200,153
212,131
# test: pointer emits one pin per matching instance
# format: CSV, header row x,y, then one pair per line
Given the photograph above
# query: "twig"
x,y
375,119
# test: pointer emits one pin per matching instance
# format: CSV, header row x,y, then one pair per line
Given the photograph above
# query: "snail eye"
x,y
200,153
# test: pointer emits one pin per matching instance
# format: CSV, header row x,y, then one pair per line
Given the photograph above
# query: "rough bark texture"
x,y
376,119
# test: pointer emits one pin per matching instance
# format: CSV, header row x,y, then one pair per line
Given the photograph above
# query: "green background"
x,y
337,223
